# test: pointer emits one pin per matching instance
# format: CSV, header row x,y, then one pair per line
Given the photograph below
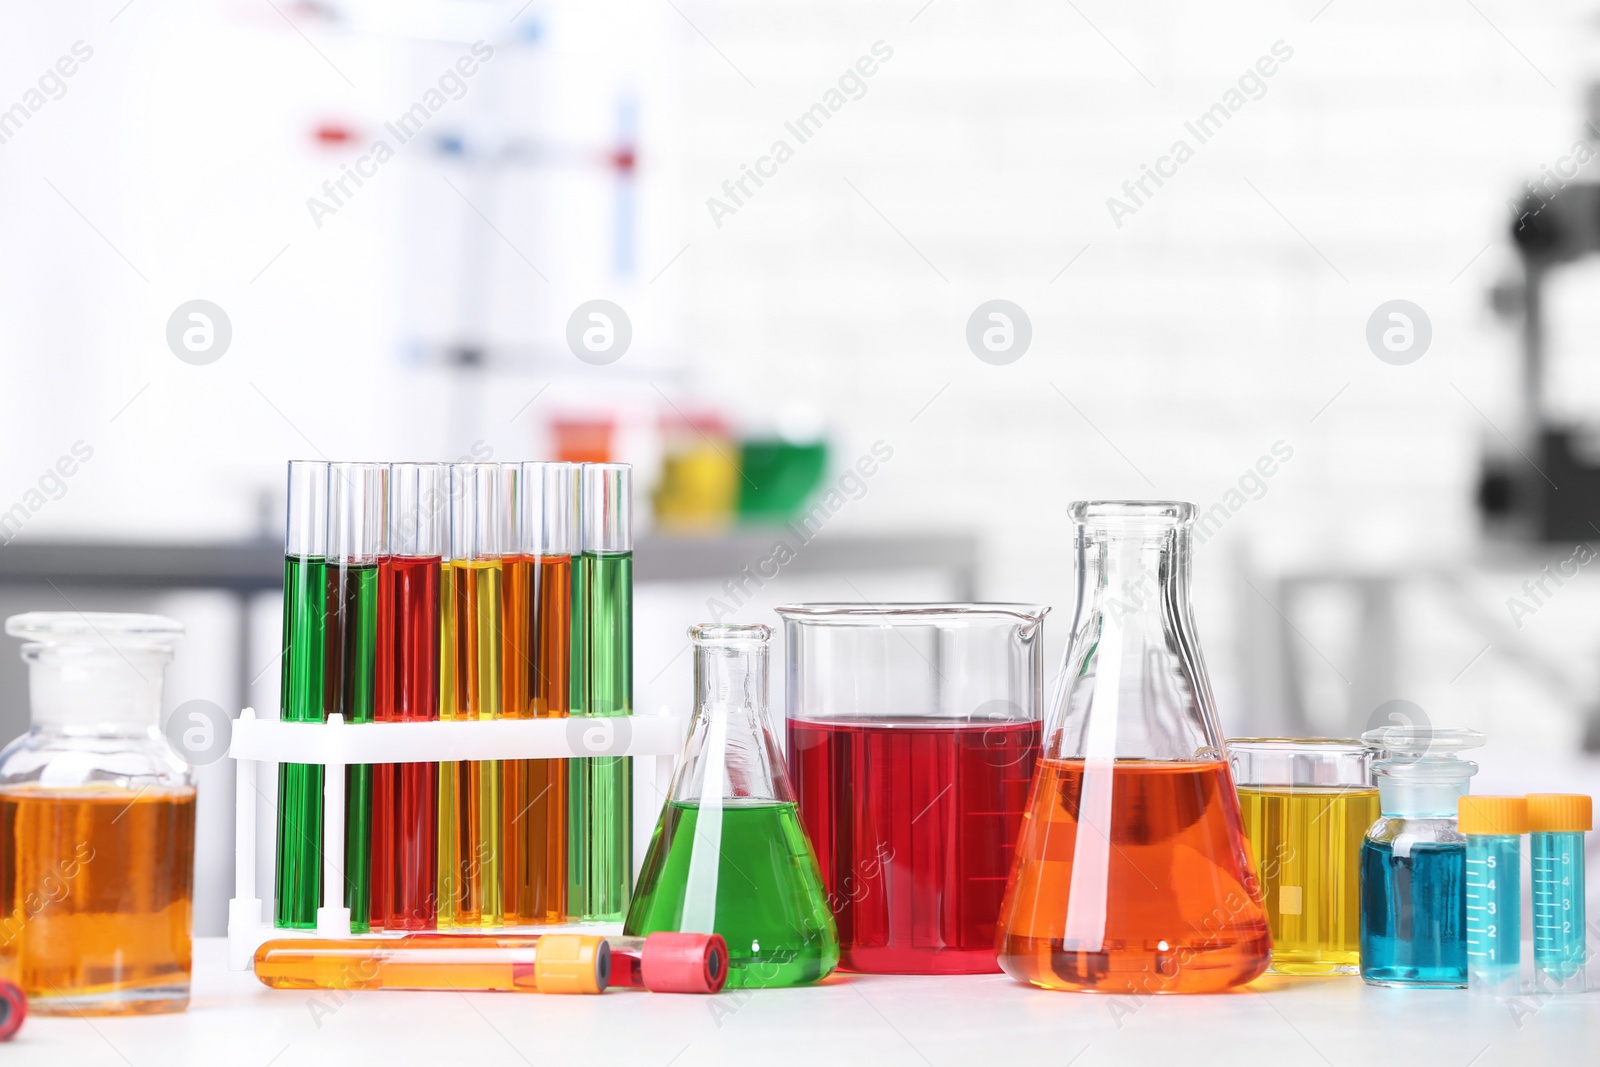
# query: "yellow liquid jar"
x,y
1306,806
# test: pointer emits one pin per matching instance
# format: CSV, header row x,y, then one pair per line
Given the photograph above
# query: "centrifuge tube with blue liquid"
x,y
1558,822
1414,860
1494,827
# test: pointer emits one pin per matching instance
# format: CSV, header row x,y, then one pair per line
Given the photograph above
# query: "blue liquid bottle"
x,y
1494,827
1558,822
1414,860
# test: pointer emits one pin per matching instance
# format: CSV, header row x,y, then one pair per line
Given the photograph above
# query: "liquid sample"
x,y
476,827
1413,915
915,825
404,795
1560,952
95,898
600,788
1155,894
1306,841
755,884
537,684
348,690
446,834
1494,913
298,886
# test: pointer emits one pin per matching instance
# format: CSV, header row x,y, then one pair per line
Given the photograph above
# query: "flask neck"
x,y
730,677
100,689
1135,574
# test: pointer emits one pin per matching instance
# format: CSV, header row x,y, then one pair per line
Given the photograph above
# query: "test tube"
x,y
404,804
298,871
1558,822
661,963
357,499
482,529
1494,827
537,685
600,834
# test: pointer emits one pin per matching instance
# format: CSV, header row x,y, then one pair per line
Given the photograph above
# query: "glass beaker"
x,y
1132,873
729,855
1307,803
96,822
913,734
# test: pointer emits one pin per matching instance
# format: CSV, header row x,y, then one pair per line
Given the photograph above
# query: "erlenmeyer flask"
x,y
729,855
1132,873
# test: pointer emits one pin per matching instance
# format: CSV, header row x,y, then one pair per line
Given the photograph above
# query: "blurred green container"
x,y
778,477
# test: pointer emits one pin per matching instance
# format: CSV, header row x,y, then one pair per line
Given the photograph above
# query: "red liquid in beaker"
x,y
1168,900
914,824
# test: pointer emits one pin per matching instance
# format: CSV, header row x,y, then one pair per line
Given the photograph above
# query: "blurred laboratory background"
x,y
1320,267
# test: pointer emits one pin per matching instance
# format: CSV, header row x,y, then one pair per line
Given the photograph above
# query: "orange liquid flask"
x,y
1132,873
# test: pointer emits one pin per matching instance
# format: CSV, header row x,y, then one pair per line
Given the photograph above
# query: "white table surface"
x,y
880,1020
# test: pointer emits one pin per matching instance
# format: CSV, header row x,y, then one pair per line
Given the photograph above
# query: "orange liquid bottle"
x,y
97,817
1132,873
95,898
1166,901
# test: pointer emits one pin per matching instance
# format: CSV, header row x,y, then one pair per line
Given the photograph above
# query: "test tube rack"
x,y
335,745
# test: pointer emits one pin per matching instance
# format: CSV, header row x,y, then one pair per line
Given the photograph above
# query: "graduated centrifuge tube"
x,y
1494,827
729,855
1558,822
1132,874
404,795
600,787
305,639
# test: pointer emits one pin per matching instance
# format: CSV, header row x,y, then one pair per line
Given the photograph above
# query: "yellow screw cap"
x,y
1560,812
1493,815
572,963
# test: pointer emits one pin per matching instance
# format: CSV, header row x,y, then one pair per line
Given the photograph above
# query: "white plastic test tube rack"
x,y
335,746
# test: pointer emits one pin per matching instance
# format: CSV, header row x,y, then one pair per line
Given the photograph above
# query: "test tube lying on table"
x,y
548,963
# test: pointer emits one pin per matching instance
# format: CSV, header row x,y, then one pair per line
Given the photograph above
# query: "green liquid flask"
x,y
729,855
600,834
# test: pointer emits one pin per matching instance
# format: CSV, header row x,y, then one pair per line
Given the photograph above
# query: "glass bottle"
x,y
729,855
1132,873
96,823
1414,860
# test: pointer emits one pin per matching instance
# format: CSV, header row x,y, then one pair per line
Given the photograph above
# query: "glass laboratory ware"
x,y
913,734
482,532
97,821
729,855
661,963
1132,873
1307,803
1558,822
600,786
357,495
1494,827
1414,860
305,650
406,689
537,682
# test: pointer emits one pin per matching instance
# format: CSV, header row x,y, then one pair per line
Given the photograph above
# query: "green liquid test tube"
x,y
298,885
600,841
357,495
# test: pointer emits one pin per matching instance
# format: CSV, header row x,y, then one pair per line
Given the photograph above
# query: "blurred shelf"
x,y
247,567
